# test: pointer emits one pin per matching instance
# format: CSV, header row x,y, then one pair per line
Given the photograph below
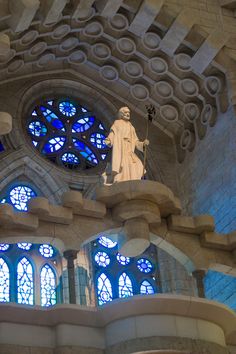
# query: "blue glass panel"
x,y
48,286
54,144
25,284
144,265
84,109
67,108
20,195
104,289
97,139
106,242
52,118
125,286
101,126
1,147
4,247
35,143
70,158
102,259
122,259
24,246
103,156
85,151
83,124
50,103
4,282
146,288
37,128
46,250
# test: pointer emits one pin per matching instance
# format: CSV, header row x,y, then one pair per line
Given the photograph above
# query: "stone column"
x,y
70,256
199,275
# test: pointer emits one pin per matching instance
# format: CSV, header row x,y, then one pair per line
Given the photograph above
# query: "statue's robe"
x,y
125,163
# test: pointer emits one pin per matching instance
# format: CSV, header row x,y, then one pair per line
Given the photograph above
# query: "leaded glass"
x,y
4,247
125,286
1,147
52,118
46,250
122,259
24,246
20,195
107,242
82,124
25,284
37,128
102,259
67,108
97,139
146,288
85,151
144,265
4,281
54,144
70,158
104,289
48,286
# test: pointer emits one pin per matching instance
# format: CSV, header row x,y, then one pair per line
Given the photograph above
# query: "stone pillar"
x,y
199,275
70,256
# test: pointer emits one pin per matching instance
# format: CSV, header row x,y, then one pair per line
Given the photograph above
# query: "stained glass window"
x,y
144,265
4,246
25,284
48,286
67,134
4,281
46,250
107,242
102,259
122,259
24,246
146,288
20,195
104,289
125,286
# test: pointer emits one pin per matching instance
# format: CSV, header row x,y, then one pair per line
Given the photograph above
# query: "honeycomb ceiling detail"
x,y
158,52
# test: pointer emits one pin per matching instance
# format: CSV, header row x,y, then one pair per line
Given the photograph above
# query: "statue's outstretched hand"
x,y
146,142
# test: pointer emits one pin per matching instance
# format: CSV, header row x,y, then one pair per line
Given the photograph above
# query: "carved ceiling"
x,y
177,55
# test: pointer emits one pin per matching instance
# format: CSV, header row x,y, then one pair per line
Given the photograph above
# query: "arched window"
x,y
48,286
4,281
67,133
104,289
25,282
18,195
123,276
125,286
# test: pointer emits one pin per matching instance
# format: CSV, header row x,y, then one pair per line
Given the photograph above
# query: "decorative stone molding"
x,y
5,123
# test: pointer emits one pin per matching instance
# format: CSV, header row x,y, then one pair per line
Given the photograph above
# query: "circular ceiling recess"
x,y
67,133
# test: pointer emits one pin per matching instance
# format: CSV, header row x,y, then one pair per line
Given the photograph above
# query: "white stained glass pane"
x,y
25,283
146,288
125,286
104,289
107,242
48,286
4,281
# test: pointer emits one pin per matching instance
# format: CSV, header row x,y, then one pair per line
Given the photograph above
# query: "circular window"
x,y
67,134
144,265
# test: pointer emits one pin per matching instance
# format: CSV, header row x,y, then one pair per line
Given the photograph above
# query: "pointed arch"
x,y
48,285
4,281
25,282
125,285
146,288
104,289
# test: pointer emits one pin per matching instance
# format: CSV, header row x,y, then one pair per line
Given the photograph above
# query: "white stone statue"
x,y
125,164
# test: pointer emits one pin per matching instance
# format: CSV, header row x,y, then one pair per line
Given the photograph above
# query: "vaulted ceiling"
x,y
177,55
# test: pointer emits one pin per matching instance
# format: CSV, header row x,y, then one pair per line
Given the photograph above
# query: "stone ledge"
x,y
214,240
21,220
188,224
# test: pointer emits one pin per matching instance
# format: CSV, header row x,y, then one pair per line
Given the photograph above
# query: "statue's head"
x,y
124,113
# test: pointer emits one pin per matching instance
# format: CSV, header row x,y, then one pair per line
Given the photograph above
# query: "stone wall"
x,y
208,175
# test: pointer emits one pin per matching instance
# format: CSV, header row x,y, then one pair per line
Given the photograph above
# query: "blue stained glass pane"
x,y
4,282
82,124
54,144
97,139
70,158
67,108
50,103
37,128
104,289
1,147
103,156
20,195
101,126
24,246
107,242
48,286
52,118
102,259
46,250
144,265
4,246
85,151
84,109
35,143
122,259
25,284
125,286
146,288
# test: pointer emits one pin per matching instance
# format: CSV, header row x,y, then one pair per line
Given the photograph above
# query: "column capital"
x,y
70,254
